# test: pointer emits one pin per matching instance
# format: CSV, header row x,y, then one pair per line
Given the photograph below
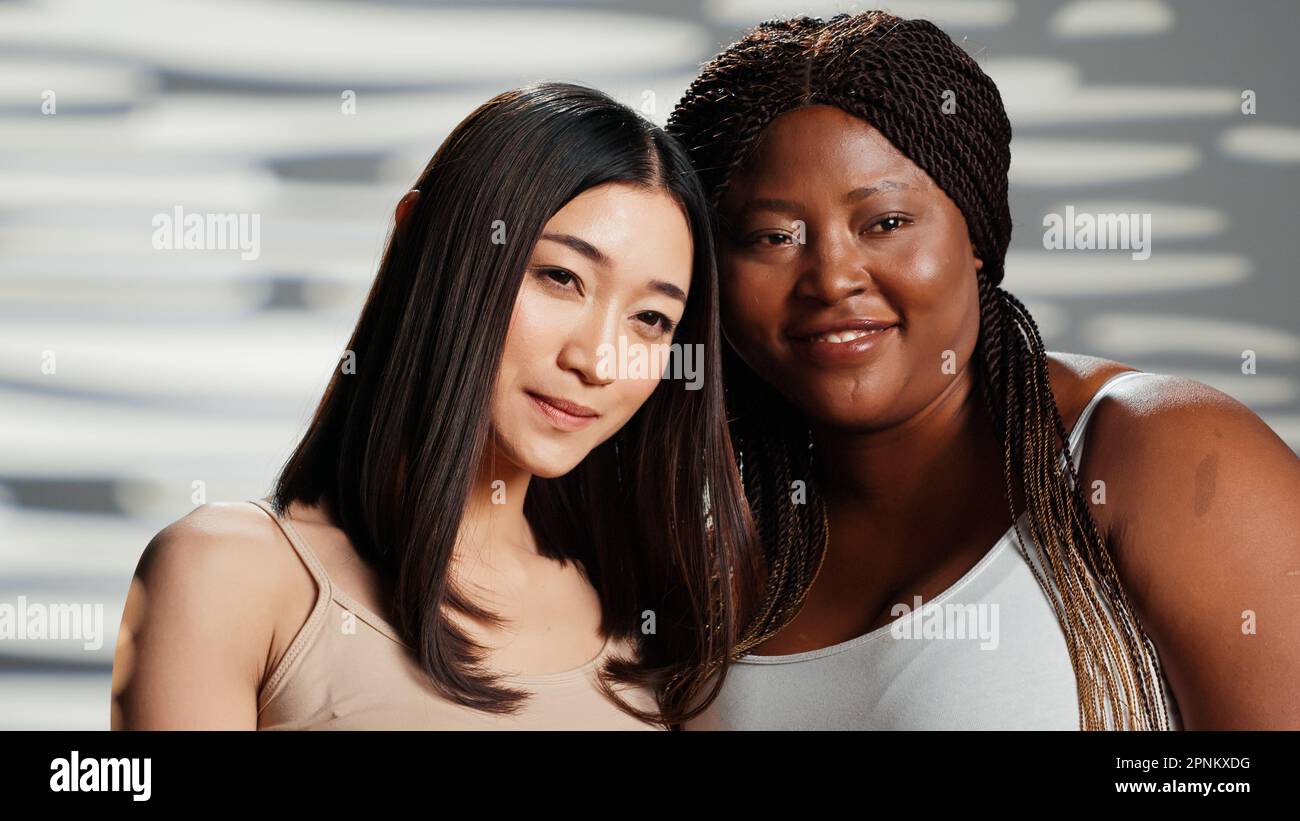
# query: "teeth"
x,y
846,336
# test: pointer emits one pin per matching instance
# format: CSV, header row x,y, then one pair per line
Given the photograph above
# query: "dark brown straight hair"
x,y
394,447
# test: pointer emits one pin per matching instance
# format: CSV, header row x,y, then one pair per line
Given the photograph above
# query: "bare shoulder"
x,y
1083,367
218,526
1165,445
200,620
1075,378
1200,508
220,545
1163,423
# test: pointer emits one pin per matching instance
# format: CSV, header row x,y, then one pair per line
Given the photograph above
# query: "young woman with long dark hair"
x,y
903,434
490,527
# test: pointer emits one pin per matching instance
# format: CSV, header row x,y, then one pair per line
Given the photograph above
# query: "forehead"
x,y
637,230
615,210
822,144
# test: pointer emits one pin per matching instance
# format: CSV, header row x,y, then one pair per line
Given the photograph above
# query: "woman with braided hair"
x,y
910,450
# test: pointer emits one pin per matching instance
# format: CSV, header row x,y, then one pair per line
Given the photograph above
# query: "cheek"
x,y
534,333
752,297
528,323
530,339
629,392
632,394
936,291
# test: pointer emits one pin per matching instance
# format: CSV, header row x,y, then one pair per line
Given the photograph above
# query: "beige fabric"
x,y
347,669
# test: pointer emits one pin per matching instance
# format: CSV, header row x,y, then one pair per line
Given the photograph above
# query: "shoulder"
x,y
1169,446
218,545
1178,455
211,585
1075,378
1157,411
1163,430
1200,506
197,624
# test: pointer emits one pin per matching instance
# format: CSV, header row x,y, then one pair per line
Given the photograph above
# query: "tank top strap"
x,y
300,547
327,589
315,620
1081,426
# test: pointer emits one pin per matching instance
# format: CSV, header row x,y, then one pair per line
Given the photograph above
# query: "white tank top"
x,y
996,659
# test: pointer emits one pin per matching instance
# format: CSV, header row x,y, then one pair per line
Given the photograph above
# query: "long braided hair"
x,y
935,105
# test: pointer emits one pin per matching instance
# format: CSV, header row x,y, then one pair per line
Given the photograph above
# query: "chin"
x,y
550,465
554,471
838,411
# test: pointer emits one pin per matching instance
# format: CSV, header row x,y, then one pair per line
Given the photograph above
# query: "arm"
x,y
1204,524
193,643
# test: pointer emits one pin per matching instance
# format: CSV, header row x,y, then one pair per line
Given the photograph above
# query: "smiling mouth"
x,y
842,331
841,343
563,414
840,336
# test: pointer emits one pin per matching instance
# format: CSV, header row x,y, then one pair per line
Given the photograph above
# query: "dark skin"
x,y
1202,498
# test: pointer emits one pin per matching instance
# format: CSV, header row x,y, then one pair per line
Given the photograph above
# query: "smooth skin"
x,y
219,595
1202,499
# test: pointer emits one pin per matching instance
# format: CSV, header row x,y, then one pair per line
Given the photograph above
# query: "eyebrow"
x,y
867,191
668,289
790,207
594,254
583,247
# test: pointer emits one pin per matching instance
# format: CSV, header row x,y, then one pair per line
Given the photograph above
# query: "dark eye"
x,y
654,319
771,239
895,220
558,278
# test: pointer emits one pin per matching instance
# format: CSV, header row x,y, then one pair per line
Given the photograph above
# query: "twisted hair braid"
x,y
932,101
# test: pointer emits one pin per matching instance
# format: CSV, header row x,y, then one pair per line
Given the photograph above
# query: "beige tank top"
x,y
347,669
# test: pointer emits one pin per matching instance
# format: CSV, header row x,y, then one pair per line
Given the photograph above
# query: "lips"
x,y
564,414
841,342
845,330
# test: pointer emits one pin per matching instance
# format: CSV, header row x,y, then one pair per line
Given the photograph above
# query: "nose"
x,y
835,268
591,347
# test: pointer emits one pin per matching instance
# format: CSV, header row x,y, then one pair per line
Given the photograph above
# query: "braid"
x,y
793,534
900,76
1111,670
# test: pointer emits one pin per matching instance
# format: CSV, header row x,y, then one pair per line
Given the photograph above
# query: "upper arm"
x,y
1204,524
195,631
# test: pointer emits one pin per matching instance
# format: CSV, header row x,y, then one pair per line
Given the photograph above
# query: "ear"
x,y
979,263
405,205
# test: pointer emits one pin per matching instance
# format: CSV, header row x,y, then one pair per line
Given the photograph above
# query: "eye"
x,y
559,279
895,220
656,320
770,239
